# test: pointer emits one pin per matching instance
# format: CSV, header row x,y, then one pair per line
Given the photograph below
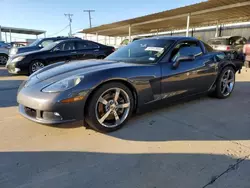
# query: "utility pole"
x,y
70,21
90,18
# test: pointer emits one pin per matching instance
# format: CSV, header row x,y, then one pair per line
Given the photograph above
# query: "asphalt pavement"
x,y
194,144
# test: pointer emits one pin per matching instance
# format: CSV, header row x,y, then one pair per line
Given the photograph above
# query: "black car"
x,y
37,45
106,92
66,50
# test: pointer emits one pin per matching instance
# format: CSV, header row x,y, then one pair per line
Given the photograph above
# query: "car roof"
x,y
224,37
172,37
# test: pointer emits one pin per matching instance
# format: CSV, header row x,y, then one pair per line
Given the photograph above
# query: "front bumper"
x,y
45,108
12,69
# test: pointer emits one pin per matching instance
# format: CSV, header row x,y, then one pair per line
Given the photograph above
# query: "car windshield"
x,y
36,42
142,51
50,46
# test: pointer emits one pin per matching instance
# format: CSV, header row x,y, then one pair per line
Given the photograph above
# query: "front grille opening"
x,y
30,112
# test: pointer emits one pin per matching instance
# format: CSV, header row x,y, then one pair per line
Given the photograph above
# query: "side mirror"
x,y
181,59
40,46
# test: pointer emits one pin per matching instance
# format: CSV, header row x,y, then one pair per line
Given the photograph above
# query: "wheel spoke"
x,y
126,105
103,101
224,88
228,88
105,116
231,80
228,74
117,118
117,93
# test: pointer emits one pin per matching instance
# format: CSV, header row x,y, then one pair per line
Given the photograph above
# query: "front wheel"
x,y
110,107
35,66
3,59
225,83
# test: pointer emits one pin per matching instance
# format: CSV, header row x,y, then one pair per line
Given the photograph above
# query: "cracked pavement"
x,y
203,143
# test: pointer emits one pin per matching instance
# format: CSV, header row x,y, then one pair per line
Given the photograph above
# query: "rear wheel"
x,y
225,83
35,66
110,107
3,59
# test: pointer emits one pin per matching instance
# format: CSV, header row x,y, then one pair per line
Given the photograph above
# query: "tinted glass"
x,y
219,42
142,51
86,45
66,46
186,49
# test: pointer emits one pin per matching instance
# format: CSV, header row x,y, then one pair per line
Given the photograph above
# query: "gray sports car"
x,y
104,93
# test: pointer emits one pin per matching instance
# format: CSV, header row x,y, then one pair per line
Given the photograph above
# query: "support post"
x,y
96,37
10,36
157,32
45,35
36,36
217,29
6,40
0,32
115,40
192,34
188,24
109,40
129,33
86,36
105,40
220,31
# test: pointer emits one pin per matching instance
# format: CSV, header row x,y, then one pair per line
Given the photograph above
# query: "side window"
x,y
65,46
186,49
86,45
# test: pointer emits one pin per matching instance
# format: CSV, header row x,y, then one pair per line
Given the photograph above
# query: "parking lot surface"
x,y
200,143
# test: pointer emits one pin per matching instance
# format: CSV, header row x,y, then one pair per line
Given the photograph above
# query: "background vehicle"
x,y
66,50
37,45
231,45
106,92
4,52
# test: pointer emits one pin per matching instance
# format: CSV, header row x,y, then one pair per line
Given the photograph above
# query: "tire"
x,y
224,89
101,57
94,106
3,59
39,63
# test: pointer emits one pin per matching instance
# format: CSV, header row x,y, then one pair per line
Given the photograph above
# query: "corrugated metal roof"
x,y
22,30
202,14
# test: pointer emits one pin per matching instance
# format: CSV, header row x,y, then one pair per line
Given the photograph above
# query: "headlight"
x,y
63,85
17,59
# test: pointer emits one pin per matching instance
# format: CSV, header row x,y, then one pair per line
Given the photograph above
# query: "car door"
x,y
64,51
87,50
192,76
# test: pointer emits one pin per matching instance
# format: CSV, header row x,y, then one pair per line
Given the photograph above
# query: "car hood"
x,y
27,49
61,70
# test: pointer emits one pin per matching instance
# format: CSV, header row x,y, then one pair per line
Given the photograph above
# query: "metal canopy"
x,y
21,30
211,12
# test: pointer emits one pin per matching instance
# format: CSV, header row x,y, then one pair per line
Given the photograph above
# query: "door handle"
x,y
74,52
97,50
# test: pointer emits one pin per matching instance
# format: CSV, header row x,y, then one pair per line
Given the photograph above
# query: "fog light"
x,y
51,116
17,70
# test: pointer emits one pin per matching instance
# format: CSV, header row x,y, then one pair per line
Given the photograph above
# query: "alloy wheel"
x,y
112,107
3,60
227,82
36,66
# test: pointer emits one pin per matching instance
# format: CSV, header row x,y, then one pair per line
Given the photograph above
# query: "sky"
x,y
48,15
